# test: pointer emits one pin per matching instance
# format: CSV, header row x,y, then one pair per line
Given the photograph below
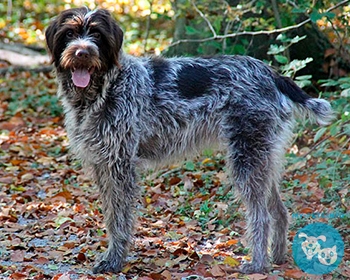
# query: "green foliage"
x,y
342,83
289,68
226,18
190,166
29,94
43,101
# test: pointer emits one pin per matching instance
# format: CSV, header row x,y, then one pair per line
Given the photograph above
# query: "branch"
x,y
251,33
16,69
205,18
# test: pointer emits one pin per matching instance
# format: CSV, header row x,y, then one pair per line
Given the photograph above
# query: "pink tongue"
x,y
81,77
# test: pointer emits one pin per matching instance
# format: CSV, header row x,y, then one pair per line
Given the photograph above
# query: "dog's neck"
x,y
76,96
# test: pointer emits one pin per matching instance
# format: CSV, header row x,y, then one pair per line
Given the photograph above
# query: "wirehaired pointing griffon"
x,y
122,111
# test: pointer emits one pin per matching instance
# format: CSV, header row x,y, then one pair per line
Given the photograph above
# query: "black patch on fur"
x,y
160,67
289,88
193,81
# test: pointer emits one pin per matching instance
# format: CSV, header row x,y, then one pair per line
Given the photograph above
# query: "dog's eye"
x,y
96,35
70,34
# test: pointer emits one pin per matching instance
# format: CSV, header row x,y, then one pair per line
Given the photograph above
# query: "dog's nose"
x,y
82,53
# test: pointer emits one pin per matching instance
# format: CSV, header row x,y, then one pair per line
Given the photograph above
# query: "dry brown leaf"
x,y
166,274
18,276
7,180
27,177
174,180
207,259
41,260
81,257
294,273
64,276
17,256
217,271
257,276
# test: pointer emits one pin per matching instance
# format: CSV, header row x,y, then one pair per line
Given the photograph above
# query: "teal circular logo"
x,y
318,248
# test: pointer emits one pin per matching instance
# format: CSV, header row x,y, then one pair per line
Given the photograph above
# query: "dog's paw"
x,y
107,265
279,259
249,268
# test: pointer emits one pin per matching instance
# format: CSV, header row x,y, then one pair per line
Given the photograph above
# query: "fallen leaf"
x,y
231,242
18,276
27,177
207,259
64,276
231,261
41,260
166,274
257,276
174,181
217,271
81,257
306,210
294,273
12,124
7,180
17,256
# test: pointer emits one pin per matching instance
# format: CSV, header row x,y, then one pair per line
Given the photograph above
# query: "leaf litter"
x,y
188,227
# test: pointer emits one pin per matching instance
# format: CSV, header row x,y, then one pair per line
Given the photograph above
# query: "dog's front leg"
x,y
118,193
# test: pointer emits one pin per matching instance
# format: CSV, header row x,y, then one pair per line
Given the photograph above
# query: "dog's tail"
x,y
318,110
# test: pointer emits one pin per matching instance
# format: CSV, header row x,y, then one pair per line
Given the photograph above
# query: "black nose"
x,y
82,53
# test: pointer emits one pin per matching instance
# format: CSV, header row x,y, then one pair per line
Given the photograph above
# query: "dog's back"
x,y
190,102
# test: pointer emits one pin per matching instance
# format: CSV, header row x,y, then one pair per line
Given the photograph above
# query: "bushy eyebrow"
x,y
75,20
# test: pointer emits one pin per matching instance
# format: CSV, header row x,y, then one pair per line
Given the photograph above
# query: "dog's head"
x,y
84,42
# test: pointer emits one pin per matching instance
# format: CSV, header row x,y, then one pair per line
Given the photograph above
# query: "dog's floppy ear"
x,y
50,35
113,36
118,37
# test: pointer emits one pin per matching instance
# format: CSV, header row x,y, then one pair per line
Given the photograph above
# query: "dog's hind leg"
x,y
253,188
280,224
249,160
277,209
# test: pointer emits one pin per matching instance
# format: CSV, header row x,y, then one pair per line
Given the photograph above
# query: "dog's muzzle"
x,y
82,59
81,75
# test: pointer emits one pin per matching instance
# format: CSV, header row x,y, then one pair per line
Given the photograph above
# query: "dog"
x,y
123,112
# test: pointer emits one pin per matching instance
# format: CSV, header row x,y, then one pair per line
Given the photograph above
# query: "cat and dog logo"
x,y
318,248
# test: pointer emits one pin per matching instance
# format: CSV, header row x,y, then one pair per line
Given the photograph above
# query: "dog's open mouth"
x,y
81,77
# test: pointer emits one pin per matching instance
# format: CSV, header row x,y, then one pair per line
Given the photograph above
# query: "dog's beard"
x,y
81,58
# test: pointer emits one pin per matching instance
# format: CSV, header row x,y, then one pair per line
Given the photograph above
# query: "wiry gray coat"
x,y
123,111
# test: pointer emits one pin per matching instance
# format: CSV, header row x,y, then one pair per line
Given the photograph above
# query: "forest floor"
x,y
188,226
